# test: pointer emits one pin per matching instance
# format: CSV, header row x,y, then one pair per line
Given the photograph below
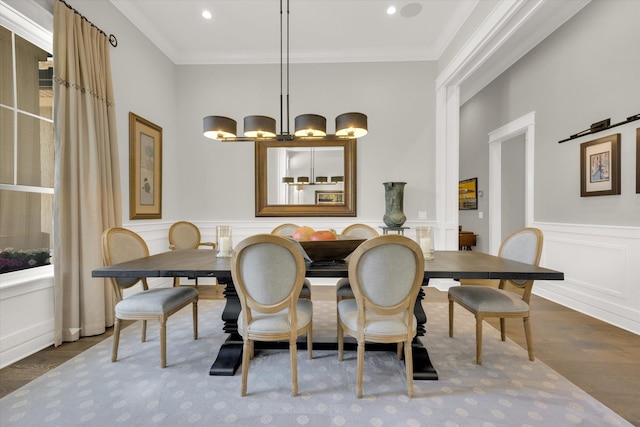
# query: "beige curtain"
x,y
87,183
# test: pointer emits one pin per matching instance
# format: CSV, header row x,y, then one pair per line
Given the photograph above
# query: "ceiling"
x,y
248,31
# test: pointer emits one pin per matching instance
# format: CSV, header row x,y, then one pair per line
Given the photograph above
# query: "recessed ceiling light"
x,y
206,14
391,10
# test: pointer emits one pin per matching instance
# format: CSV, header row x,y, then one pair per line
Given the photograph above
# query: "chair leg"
x,y
478,339
408,361
340,332
450,318
246,356
144,331
503,329
360,369
163,343
176,282
527,334
195,320
293,352
116,340
310,342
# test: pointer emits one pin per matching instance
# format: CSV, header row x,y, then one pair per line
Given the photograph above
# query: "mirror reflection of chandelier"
x,y
348,125
312,179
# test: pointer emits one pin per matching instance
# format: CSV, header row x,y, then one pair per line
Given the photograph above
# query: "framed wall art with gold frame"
x,y
145,169
600,166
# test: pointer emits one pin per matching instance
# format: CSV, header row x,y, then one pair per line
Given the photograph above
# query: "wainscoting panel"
x,y
601,265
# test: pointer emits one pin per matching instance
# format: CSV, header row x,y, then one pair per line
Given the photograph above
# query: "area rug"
x,y
507,390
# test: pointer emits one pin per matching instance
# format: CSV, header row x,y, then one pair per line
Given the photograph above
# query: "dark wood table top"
x,y
447,264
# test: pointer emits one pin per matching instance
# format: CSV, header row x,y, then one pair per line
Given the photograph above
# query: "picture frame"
x,y
468,194
638,161
329,197
145,169
600,166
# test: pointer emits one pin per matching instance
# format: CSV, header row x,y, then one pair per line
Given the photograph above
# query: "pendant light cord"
x,y
284,103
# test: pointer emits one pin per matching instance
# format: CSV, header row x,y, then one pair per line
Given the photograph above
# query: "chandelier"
x,y
348,125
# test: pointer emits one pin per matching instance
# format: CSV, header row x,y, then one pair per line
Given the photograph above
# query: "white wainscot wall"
x,y
601,266
26,313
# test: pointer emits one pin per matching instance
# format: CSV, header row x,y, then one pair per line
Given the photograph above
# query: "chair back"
x,y
184,235
386,273
122,245
285,229
360,230
523,245
268,272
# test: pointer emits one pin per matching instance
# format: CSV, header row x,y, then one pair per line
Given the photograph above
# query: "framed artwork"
x,y
468,194
600,166
329,197
638,161
145,169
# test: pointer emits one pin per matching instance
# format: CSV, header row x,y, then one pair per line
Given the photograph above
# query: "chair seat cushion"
x,y
155,301
485,299
277,323
376,325
343,288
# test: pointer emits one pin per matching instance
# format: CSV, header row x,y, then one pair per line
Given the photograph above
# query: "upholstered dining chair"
x,y
386,273
121,245
268,273
287,230
524,245
186,235
363,231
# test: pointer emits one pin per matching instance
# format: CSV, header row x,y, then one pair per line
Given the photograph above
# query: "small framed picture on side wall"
x,y
600,166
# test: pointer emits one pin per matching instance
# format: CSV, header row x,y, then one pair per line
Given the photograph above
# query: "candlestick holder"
x,y
224,244
424,237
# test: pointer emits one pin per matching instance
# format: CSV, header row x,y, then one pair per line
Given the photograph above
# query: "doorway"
x,y
519,131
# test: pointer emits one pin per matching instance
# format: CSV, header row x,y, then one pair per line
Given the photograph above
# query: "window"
x,y
26,153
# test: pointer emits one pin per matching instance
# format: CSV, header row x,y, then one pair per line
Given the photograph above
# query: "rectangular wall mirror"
x,y
315,177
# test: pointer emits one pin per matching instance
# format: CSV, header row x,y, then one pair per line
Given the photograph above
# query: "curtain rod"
x,y
112,39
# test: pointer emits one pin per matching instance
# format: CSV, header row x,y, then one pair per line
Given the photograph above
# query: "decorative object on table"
x,y
424,237
468,194
600,166
224,242
330,250
394,203
145,169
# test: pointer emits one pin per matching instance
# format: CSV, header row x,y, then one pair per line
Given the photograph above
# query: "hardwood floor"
x,y
599,358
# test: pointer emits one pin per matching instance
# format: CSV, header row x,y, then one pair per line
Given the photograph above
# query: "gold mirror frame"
x,y
348,208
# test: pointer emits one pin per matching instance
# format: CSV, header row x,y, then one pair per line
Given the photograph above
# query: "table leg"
x,y
230,353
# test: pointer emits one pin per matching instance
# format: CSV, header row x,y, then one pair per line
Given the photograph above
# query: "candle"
x,y
425,245
225,245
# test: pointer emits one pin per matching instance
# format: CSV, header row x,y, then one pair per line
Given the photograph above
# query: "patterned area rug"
x,y
507,390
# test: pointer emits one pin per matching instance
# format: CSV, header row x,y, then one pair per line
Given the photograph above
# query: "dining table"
x,y
193,263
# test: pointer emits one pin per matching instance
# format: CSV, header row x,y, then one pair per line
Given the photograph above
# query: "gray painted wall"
x,y
584,72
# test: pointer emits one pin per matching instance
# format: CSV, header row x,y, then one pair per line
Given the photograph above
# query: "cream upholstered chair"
x,y
524,245
363,231
386,273
268,272
287,230
121,245
186,235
